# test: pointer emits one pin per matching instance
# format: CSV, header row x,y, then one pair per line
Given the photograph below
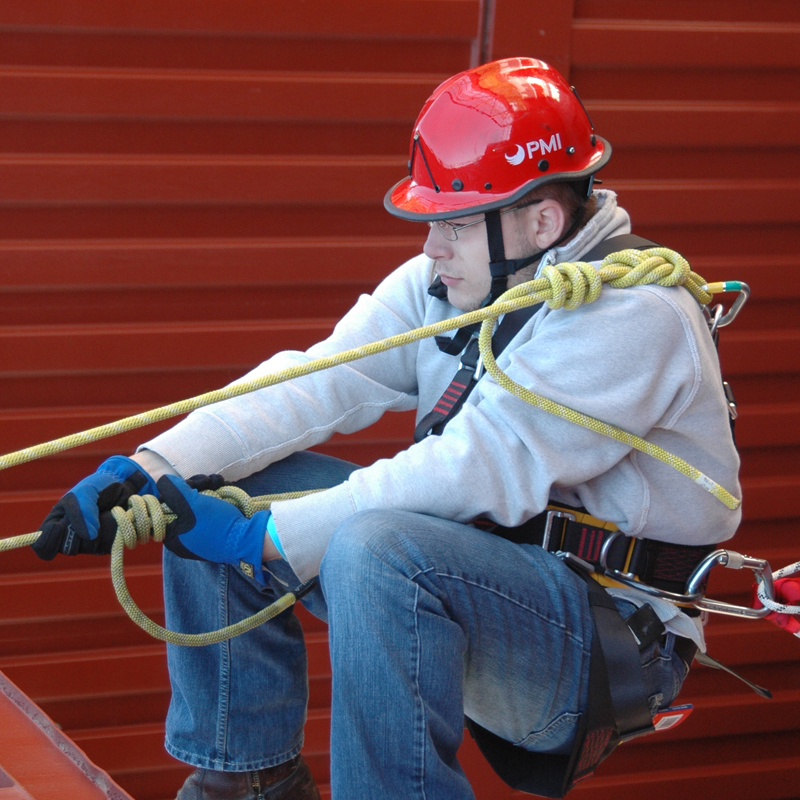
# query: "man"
x,y
440,600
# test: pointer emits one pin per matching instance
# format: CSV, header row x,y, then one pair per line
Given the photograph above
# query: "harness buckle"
x,y
606,548
548,526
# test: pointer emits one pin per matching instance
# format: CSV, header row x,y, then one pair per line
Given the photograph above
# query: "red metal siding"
x,y
699,100
186,188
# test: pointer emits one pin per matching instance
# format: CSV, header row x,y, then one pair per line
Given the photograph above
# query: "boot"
x,y
289,781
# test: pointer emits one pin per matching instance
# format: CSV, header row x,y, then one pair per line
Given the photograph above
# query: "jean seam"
x,y
567,632
419,705
224,672
202,762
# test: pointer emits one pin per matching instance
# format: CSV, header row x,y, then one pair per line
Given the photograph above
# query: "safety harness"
x,y
618,707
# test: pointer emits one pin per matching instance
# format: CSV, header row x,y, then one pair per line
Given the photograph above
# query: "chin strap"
x,y
499,265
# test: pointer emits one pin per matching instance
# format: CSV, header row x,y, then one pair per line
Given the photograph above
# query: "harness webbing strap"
x,y
617,709
623,665
464,380
454,395
664,565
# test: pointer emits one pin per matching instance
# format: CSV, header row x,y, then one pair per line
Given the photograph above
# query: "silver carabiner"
x,y
720,320
731,560
694,593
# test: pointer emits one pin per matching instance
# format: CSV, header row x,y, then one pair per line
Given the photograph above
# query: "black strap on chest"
x,y
464,380
465,341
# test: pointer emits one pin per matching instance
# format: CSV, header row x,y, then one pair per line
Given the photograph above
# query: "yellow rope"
x,y
147,518
583,287
566,285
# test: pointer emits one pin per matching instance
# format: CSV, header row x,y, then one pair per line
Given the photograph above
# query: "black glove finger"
x,y
205,483
54,532
59,536
106,534
115,494
171,495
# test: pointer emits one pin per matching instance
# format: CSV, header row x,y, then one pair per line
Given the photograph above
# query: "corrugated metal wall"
x,y
700,100
186,188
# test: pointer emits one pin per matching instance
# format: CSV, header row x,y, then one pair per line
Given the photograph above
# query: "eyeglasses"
x,y
450,230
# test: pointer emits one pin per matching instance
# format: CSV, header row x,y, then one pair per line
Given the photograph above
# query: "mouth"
x,y
447,280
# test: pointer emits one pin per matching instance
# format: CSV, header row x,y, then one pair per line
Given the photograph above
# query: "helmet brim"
x,y
410,200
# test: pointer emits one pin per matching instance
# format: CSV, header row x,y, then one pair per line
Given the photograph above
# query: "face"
x,y
463,265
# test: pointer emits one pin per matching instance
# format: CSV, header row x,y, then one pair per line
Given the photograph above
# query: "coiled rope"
x,y
567,285
147,518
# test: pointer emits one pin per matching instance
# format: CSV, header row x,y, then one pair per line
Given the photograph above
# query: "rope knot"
x,y
144,518
658,265
571,284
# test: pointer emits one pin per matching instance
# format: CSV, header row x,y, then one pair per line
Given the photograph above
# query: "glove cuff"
x,y
248,552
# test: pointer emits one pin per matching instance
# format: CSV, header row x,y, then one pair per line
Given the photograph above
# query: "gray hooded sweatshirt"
x,y
638,358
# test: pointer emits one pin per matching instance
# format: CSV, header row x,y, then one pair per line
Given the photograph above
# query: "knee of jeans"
x,y
360,540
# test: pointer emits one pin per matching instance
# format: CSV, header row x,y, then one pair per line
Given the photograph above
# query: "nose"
x,y
436,246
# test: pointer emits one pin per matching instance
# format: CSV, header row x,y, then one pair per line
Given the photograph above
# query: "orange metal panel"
x,y
717,201
123,264
39,762
434,18
201,94
76,592
244,50
687,10
542,30
174,345
150,152
681,125
66,179
691,44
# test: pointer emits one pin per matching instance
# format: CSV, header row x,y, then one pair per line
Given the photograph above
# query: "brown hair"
x,y
571,195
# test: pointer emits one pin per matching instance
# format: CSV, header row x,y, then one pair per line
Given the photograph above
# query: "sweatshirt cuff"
x,y
307,524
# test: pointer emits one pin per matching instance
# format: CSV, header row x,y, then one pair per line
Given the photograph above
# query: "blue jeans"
x,y
429,620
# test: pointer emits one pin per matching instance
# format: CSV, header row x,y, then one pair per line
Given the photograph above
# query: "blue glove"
x,y
210,529
80,521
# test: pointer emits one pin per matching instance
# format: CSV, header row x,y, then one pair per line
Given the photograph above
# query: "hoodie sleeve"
x,y
242,435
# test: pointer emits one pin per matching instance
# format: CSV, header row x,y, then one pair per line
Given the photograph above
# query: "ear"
x,y
550,223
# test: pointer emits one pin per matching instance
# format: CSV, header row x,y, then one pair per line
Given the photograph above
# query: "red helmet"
x,y
489,135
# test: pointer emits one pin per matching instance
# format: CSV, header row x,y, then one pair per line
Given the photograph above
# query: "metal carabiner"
x,y
720,320
694,592
731,560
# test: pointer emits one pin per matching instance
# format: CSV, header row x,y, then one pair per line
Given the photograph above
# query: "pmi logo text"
x,y
530,150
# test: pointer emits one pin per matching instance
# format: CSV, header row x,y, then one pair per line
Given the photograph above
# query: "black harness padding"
x,y
661,564
455,344
454,395
624,241
437,289
464,380
617,709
